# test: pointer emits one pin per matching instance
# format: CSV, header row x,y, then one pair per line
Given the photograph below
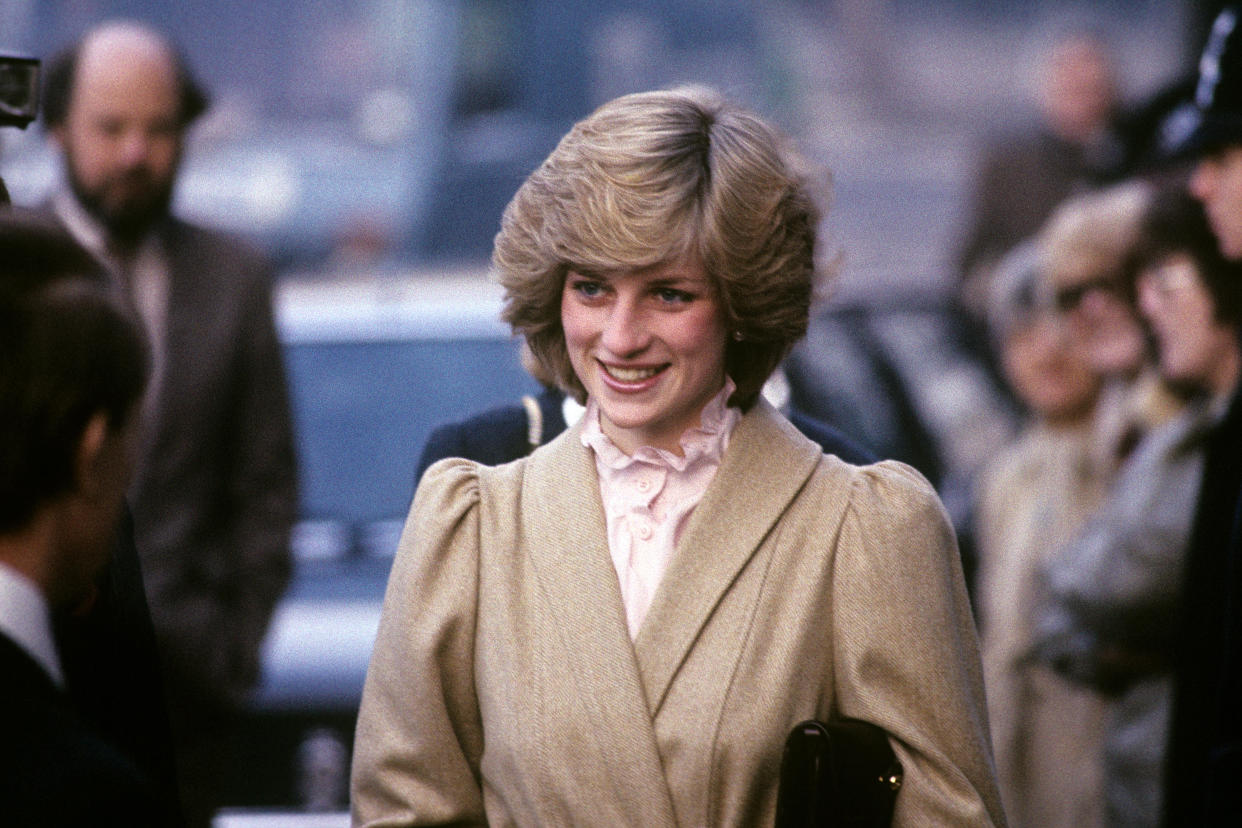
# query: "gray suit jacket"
x,y
504,686
216,495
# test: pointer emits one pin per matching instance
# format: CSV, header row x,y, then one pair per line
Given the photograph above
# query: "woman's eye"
x,y
587,288
673,296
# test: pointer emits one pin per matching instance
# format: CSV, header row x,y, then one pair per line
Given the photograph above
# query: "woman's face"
x,y
1101,322
1046,373
648,345
1193,346
1217,182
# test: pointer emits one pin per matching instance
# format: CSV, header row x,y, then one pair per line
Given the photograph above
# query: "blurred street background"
x,y
369,147
369,133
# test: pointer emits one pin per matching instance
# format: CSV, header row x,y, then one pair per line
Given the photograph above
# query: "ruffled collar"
x,y
706,441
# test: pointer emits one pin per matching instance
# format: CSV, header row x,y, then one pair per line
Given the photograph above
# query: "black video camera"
x,y
19,90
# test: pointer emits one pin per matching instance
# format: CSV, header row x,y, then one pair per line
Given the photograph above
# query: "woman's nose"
x,y
1148,296
625,330
1097,301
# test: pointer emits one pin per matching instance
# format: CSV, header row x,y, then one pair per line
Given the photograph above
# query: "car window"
x,y
362,411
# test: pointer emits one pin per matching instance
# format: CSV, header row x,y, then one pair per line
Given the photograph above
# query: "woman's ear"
x,y
90,473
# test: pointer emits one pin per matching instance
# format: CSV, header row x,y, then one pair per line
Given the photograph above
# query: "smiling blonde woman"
x,y
621,628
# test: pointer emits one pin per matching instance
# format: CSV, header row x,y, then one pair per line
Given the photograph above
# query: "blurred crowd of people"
x,y
1113,296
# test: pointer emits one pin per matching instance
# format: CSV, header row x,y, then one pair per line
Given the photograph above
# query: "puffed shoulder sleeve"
x,y
907,656
419,737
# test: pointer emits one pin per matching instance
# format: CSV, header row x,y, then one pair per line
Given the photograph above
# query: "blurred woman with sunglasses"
x,y
1112,593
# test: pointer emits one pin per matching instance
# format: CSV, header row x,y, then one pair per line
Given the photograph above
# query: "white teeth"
x,y
630,374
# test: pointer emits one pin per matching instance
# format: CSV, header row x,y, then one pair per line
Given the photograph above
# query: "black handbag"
x,y
841,773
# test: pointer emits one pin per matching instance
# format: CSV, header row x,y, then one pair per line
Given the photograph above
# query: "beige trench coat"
x,y
1047,732
504,688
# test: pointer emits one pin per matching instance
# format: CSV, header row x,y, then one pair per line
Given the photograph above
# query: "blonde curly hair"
x,y
655,177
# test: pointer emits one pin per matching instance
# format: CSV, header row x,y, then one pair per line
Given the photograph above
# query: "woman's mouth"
x,y
622,375
630,374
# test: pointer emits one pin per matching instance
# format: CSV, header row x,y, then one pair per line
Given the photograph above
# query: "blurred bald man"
x,y
1027,170
214,496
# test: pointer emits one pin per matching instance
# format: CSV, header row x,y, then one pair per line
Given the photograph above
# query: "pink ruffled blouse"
x,y
649,496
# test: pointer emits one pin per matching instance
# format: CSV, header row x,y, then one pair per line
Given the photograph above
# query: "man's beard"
x,y
129,221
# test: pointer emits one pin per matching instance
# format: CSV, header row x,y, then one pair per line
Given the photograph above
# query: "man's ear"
x,y
89,471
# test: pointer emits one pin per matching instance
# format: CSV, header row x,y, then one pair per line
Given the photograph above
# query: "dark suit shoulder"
x,y
832,440
23,677
495,436
54,771
229,263
224,244
111,668
491,437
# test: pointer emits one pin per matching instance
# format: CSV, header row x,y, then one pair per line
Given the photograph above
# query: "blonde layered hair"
x,y
1094,234
659,177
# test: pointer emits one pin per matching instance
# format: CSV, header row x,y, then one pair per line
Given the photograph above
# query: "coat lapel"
x,y
561,503
188,302
742,504
169,374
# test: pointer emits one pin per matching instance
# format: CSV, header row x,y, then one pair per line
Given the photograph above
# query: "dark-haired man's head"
x,y
118,104
73,367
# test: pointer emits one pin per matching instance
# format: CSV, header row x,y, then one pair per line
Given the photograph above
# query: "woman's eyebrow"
x,y
586,273
680,278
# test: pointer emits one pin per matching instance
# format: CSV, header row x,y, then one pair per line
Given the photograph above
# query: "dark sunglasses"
x,y
1070,297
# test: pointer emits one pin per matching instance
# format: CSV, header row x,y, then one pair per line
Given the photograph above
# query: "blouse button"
x,y
644,484
644,532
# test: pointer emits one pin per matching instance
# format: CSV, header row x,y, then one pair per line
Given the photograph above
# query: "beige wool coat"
x,y
1047,732
504,688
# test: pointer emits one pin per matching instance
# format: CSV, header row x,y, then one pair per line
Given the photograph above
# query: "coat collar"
x,y
563,513
742,504
627,684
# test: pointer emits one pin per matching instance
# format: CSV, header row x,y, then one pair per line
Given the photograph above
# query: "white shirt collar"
x,y
81,224
25,618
